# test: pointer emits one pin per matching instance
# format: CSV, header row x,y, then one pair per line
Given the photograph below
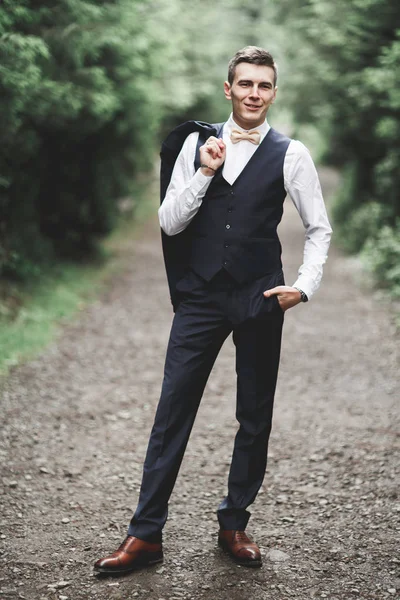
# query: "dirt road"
x,y
75,424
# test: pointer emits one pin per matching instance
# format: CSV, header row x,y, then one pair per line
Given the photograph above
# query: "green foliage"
x,y
28,320
381,256
31,310
363,225
79,109
357,224
345,60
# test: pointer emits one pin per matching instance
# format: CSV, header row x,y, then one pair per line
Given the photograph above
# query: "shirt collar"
x,y
263,128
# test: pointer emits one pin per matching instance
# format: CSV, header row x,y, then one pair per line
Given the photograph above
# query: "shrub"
x,y
381,255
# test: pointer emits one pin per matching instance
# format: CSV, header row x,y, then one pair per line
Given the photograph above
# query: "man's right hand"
x,y
213,155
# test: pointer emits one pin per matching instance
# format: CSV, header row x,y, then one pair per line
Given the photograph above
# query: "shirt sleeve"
x,y
303,186
185,192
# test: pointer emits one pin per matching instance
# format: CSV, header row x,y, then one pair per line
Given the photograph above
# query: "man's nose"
x,y
254,91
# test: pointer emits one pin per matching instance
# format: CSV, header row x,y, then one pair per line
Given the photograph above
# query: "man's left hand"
x,y
287,296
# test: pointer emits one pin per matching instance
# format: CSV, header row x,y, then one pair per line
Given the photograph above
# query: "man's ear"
x,y
275,90
227,90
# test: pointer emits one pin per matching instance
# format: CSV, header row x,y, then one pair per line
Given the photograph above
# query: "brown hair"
x,y
253,55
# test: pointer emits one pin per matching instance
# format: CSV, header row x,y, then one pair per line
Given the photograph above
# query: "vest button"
x,y
225,262
226,245
230,209
232,193
227,226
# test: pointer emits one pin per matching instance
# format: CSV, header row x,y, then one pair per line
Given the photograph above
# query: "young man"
x,y
230,207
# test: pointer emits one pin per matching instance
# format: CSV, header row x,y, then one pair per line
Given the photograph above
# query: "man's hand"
x,y
287,296
212,154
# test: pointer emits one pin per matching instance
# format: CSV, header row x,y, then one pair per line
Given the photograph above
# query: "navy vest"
x,y
235,227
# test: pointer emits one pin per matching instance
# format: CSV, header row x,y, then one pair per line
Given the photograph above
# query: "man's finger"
x,y
212,143
272,292
214,151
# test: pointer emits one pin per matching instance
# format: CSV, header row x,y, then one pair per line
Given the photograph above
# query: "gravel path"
x,y
76,422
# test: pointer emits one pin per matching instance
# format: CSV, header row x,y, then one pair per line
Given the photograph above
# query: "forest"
x,y
89,88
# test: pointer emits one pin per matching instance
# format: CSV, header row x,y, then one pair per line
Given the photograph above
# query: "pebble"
x,y
65,520
392,591
281,499
59,585
277,555
13,484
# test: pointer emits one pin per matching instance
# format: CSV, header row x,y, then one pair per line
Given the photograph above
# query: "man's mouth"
x,y
252,106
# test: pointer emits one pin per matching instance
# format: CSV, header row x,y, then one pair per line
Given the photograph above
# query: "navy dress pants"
x,y
206,315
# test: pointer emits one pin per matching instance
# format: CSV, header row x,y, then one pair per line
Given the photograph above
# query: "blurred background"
x,y
89,88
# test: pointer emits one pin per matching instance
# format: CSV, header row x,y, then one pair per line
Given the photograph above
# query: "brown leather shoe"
x,y
240,547
132,554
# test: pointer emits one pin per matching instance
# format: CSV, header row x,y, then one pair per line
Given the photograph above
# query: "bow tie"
x,y
252,136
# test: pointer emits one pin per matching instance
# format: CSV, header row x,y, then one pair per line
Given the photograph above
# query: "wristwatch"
x,y
303,295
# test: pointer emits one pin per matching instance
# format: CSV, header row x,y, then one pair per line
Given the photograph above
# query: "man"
x,y
230,206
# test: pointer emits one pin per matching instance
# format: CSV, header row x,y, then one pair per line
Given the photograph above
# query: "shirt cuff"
x,y
199,183
305,285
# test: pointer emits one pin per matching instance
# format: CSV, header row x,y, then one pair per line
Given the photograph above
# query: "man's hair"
x,y
255,56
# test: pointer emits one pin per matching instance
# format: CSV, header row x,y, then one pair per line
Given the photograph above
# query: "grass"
x,y
31,312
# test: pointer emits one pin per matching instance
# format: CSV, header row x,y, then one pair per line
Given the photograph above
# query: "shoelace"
x,y
241,536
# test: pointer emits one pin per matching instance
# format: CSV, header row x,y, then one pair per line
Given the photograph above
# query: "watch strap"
x,y
304,297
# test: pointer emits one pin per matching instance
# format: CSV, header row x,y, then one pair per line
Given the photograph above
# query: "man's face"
x,y
251,93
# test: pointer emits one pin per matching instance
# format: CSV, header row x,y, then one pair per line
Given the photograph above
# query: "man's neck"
x,y
263,125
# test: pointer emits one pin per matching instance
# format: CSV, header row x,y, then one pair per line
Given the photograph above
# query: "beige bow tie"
x,y
252,136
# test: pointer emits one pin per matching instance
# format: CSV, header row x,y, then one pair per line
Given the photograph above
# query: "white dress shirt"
x,y
187,189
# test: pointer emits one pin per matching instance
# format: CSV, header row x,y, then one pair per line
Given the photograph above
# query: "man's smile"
x,y
252,106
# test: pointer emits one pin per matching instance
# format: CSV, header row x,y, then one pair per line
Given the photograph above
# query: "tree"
x,y
346,68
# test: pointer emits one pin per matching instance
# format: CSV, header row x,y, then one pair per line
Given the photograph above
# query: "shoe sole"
x,y
252,564
137,566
